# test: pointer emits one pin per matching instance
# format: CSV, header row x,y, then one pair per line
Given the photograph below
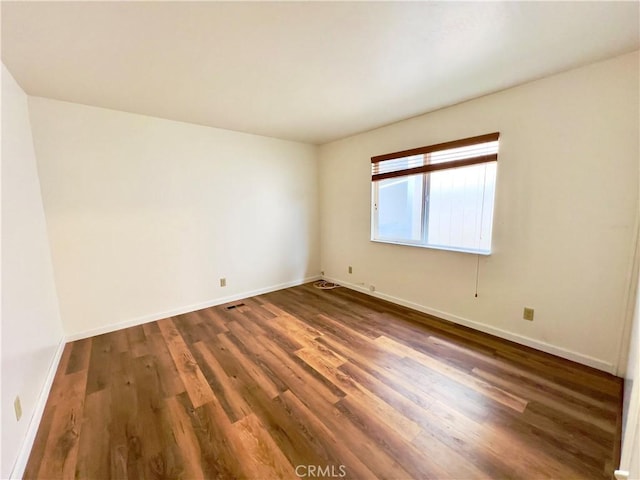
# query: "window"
x,y
440,196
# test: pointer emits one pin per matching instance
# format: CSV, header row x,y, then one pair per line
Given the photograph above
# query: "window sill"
x,y
434,247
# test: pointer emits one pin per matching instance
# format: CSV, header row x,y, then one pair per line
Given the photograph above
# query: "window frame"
x,y
425,170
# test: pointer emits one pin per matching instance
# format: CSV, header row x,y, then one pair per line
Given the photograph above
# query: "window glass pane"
x,y
399,208
460,207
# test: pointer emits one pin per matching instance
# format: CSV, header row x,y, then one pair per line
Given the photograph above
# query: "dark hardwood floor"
x,y
333,384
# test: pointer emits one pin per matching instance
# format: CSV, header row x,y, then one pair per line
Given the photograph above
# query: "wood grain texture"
x,y
305,383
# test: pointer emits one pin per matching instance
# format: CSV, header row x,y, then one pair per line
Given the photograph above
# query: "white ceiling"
x,y
307,71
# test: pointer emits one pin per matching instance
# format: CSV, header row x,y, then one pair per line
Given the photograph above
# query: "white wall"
x,y
31,327
145,215
565,208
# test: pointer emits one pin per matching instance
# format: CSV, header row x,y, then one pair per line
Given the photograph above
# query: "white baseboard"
x,y
185,309
34,423
514,337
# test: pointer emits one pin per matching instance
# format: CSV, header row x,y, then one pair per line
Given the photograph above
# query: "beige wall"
x,y
31,327
145,215
566,203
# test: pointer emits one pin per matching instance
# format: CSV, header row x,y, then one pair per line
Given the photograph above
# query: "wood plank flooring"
x,y
306,383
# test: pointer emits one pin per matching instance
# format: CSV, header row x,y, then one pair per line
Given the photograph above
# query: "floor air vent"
x,y
231,307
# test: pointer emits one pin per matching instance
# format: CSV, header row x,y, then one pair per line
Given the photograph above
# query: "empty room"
x,y
360,240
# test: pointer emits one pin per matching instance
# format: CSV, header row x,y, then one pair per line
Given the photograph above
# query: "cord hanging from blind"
x,y
459,153
477,274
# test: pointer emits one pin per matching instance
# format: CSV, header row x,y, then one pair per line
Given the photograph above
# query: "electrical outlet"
x,y
223,282
322,272
350,269
372,288
528,314
17,406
